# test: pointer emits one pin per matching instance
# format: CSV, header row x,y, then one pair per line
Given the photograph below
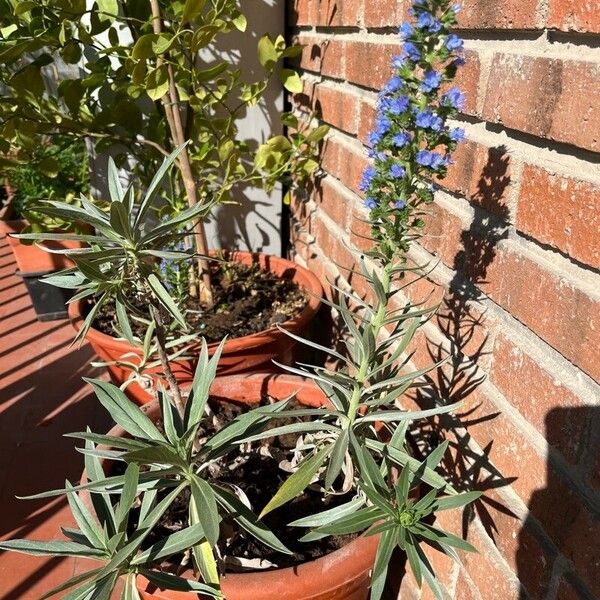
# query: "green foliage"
x,y
122,260
54,171
355,444
119,92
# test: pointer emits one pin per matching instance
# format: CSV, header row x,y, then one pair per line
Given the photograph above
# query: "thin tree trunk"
x,y
171,106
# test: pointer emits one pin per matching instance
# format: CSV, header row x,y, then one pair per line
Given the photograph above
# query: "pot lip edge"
x,y
313,289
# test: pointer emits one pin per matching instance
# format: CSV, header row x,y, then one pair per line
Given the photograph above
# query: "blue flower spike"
x,y
412,138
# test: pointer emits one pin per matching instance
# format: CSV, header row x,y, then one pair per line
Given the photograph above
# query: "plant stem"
x,y
375,325
173,115
161,338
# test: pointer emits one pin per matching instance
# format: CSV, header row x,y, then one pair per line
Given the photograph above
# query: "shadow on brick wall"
x,y
558,545
462,322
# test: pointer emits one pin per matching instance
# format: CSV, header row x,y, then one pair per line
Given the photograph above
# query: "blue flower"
x,y
401,139
427,120
398,62
455,98
370,203
397,171
429,159
367,177
456,8
453,42
393,85
400,204
459,61
405,31
396,106
428,22
411,51
431,81
382,125
458,134
374,138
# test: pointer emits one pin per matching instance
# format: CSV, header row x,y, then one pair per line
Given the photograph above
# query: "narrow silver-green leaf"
x,y
165,299
298,481
129,416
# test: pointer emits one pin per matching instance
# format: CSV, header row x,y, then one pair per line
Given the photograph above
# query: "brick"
x,y
498,14
471,332
336,107
549,406
467,79
575,533
368,64
505,447
562,212
546,97
335,13
443,235
465,590
360,229
322,56
383,13
575,15
483,175
518,544
552,306
489,576
302,12
367,115
350,167
332,203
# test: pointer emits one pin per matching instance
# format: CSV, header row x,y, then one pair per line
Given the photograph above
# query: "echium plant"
x,y
356,443
411,142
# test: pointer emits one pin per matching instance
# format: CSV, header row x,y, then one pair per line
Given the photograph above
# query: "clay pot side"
x,y
241,355
30,258
341,575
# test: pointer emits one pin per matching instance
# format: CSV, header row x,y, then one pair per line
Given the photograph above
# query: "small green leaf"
x,y
205,506
86,522
127,497
192,9
298,481
291,81
267,54
180,541
123,320
49,166
338,456
382,561
240,22
157,82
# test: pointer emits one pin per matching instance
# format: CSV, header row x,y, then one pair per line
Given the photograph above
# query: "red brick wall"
x,y
516,231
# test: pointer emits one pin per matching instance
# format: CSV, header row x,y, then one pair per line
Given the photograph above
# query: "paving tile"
x,y
42,397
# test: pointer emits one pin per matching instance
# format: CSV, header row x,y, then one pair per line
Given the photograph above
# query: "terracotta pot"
x,y
341,575
240,355
30,258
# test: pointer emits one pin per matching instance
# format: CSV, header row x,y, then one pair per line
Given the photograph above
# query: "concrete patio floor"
x,y
42,397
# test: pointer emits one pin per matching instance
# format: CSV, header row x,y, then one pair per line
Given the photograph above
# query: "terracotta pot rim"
x,y
360,550
312,287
